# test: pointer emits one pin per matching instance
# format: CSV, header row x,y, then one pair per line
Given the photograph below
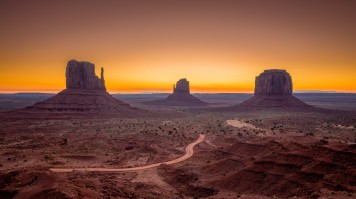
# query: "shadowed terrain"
x,y
248,153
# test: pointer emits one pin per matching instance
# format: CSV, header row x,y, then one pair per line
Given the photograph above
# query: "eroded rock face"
x,y
273,88
81,75
182,86
273,82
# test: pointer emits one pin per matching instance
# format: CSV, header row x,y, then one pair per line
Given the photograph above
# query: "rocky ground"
x,y
246,154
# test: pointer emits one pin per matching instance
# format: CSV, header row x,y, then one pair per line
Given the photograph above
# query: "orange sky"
x,y
146,46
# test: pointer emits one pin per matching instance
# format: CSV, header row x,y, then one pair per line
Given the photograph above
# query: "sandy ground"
x,y
189,151
240,124
241,154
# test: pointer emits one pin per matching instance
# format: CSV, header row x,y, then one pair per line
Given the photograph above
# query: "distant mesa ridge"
x,y
274,88
180,97
85,92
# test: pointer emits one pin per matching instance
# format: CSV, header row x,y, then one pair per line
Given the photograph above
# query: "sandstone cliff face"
x,y
182,86
81,75
273,82
273,88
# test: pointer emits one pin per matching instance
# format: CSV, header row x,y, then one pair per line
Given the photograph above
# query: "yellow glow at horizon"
x,y
159,76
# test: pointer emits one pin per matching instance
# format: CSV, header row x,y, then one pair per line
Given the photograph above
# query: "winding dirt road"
x,y
188,153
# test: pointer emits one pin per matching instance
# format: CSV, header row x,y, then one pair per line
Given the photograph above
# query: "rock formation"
x,y
181,96
82,75
182,86
274,88
273,82
85,93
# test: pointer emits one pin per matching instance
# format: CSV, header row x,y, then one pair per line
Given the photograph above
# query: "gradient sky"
x,y
146,46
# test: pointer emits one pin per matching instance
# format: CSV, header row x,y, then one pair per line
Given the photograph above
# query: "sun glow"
x,y
218,48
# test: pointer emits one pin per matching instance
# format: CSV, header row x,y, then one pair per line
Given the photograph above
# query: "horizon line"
x,y
162,92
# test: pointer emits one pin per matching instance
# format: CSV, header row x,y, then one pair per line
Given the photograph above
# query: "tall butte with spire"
x,y
85,93
273,88
180,97
81,75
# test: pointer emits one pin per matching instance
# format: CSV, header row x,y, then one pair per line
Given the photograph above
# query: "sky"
x,y
146,46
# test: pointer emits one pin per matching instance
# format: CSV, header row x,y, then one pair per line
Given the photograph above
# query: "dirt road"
x,y
189,151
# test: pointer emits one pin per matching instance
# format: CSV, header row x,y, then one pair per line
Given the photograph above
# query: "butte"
x,y
85,93
273,88
180,97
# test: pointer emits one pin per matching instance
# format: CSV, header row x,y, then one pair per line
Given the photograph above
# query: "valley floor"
x,y
246,154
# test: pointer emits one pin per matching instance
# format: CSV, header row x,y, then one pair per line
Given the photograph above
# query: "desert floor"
x,y
270,153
